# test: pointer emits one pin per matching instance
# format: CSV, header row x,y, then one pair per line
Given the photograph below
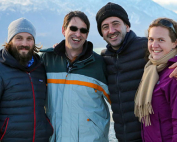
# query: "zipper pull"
x,y
68,66
69,69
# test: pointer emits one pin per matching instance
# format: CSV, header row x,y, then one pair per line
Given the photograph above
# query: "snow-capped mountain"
x,y
47,16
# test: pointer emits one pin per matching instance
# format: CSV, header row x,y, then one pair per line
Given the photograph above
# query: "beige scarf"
x,y
143,97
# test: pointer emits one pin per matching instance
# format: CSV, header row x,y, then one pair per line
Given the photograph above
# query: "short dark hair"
x,y
78,14
157,23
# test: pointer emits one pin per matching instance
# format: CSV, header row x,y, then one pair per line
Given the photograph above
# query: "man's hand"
x,y
174,73
55,45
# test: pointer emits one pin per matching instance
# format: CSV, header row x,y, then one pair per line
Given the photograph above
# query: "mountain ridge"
x,y
47,16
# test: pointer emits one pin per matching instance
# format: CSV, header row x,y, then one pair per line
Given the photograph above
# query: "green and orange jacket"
x,y
77,91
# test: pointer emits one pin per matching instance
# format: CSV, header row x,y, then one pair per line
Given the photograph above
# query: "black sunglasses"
x,y
168,24
82,30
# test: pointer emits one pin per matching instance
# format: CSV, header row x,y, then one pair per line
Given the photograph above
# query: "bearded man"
x,y
22,87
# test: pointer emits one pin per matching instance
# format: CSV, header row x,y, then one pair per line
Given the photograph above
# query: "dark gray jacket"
x,y
22,99
125,69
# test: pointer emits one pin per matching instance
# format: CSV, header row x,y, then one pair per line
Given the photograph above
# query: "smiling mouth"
x,y
112,37
23,48
155,51
76,39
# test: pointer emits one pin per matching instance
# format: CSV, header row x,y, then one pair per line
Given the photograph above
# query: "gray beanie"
x,y
21,25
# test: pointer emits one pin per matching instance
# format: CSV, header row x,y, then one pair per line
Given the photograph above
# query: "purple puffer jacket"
x,y
163,126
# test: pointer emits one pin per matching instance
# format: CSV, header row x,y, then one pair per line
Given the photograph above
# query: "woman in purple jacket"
x,y
156,98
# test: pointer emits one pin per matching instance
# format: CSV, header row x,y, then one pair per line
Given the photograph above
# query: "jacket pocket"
x,y
4,128
88,130
95,127
91,124
100,123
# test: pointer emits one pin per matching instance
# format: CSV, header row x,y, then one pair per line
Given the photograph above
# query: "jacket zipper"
x,y
122,116
34,107
117,56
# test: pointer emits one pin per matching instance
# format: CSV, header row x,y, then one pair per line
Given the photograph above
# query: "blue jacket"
x,y
22,100
76,96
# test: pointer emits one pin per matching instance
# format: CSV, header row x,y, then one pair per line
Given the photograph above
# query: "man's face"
x,y
74,39
21,48
114,31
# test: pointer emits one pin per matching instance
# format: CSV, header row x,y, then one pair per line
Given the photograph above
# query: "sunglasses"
x,y
82,30
167,24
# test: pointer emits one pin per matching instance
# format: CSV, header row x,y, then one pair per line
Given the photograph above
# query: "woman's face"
x,y
159,42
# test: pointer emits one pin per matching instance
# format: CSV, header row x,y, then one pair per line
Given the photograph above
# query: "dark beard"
x,y
23,59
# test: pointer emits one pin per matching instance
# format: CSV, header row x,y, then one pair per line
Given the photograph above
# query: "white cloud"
x,y
163,2
169,4
42,34
21,2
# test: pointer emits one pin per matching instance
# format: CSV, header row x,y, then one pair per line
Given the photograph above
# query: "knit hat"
x,y
21,25
110,10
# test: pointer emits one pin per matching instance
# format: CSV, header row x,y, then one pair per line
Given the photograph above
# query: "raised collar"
x,y
129,36
86,53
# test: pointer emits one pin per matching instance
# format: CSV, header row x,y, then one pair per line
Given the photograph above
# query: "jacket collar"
x,y
85,57
86,52
128,38
173,60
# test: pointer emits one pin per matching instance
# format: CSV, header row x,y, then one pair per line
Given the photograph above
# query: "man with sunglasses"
x,y
77,86
125,58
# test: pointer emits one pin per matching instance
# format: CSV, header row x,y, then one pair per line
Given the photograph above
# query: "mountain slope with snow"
x,y
47,16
